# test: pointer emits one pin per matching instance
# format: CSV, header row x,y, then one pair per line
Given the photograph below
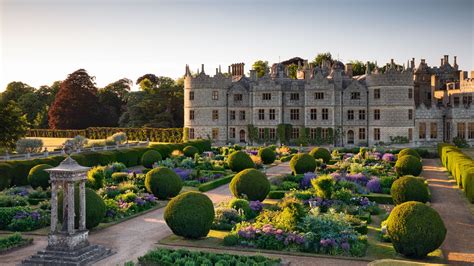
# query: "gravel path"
x,y
452,205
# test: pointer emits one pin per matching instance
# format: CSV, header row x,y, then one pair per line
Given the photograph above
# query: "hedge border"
x,y
379,198
17,171
215,183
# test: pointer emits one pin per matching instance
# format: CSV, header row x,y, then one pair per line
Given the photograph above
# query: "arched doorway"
x,y
242,135
350,137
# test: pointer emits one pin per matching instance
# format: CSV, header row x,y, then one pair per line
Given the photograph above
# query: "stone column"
x,y
65,206
54,206
82,202
70,207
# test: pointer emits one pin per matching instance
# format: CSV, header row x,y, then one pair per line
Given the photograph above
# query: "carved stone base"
x,y
82,256
64,241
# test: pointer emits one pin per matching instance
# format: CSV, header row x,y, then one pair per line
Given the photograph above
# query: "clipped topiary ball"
x,y
415,229
239,160
302,163
267,155
408,165
38,177
95,208
163,182
409,151
150,157
190,151
409,188
250,183
321,153
190,215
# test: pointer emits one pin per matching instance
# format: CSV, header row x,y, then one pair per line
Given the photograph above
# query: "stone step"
x,y
86,256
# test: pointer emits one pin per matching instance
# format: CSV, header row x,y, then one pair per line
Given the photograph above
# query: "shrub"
x,y
267,154
302,163
150,157
408,151
119,137
29,145
409,188
468,183
95,208
225,218
324,186
239,160
190,215
5,177
38,177
408,165
321,153
96,177
250,183
190,151
119,177
415,229
163,182
241,205
286,158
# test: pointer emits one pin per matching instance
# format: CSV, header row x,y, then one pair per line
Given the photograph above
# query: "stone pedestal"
x,y
68,245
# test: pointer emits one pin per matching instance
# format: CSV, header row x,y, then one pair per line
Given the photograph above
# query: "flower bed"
x,y
13,241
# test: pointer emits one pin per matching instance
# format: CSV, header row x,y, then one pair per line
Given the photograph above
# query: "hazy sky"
x,y
44,41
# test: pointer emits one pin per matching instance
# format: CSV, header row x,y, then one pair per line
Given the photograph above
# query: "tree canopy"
x,y
359,67
318,60
13,125
261,67
76,105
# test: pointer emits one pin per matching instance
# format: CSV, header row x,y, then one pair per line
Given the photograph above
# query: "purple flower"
x,y
374,185
21,215
139,201
364,201
306,181
35,215
149,197
345,246
336,176
357,178
388,157
184,174
256,206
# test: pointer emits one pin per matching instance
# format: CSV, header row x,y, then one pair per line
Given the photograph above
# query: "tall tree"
x,y
359,67
76,105
13,125
151,77
261,67
158,104
14,91
292,71
318,60
112,99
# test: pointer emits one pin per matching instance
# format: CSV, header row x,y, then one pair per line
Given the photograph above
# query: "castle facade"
x,y
327,104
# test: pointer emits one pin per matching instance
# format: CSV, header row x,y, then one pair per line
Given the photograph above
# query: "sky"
x,y
42,41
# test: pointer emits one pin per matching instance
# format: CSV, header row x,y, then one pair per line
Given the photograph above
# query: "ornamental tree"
x,y
76,105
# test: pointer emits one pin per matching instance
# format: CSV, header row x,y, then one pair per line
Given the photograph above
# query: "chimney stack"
x,y
446,59
462,75
423,61
202,68
412,63
442,62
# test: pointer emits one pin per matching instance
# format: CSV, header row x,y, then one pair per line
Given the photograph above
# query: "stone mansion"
x,y
414,105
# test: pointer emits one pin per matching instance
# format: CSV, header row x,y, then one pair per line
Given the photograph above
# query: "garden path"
x,y
452,205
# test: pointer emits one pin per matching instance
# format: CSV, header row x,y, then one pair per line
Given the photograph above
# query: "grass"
x,y
53,143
